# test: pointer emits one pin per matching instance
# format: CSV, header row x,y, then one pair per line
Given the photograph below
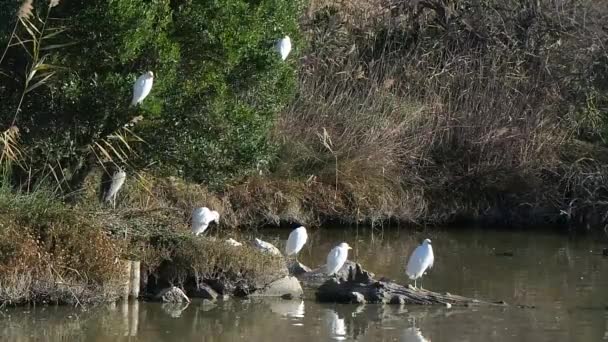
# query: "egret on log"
x,y
337,257
142,87
202,217
295,242
421,259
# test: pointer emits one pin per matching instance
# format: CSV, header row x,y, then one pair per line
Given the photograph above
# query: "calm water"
x,y
565,279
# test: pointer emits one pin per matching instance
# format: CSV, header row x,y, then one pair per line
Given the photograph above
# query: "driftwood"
x,y
360,287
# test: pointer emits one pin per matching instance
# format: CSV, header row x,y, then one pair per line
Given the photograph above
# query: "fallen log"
x,y
360,287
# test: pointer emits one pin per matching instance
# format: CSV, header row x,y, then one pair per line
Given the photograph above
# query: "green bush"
x,y
218,84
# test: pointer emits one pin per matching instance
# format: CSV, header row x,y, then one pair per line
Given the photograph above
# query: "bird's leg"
x,y
416,287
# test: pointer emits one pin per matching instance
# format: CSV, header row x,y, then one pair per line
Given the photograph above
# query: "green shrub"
x,y
218,84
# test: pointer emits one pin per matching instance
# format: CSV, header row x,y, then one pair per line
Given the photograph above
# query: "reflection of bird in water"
x,y
413,334
288,308
335,325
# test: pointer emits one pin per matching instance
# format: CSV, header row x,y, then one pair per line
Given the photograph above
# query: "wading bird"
x,y
284,47
266,247
421,259
202,217
142,87
295,242
337,257
118,179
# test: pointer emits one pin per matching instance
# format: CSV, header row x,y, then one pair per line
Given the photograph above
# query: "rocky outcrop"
x,y
359,286
318,276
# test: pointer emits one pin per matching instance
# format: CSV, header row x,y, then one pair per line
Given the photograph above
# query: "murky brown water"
x,y
566,279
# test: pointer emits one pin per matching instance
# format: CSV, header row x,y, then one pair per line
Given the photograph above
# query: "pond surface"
x,y
565,279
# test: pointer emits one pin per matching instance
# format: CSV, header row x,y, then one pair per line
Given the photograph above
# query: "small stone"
x,y
204,291
397,300
281,287
173,295
448,305
297,268
357,297
287,296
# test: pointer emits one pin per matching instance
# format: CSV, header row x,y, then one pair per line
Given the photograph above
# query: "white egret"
x,y
295,242
337,257
421,259
233,242
266,247
142,87
118,179
202,217
284,47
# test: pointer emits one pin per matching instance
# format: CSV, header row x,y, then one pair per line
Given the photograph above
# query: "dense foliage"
x,y
218,84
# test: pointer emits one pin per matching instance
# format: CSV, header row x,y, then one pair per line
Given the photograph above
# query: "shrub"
x,y
218,84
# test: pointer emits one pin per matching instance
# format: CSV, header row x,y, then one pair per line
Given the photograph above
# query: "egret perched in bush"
x,y
421,259
142,87
284,47
337,257
118,179
295,242
202,217
266,247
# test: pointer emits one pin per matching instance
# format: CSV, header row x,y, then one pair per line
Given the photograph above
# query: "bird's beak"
x,y
349,247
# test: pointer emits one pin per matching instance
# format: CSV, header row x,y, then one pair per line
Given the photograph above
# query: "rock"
x,y
360,287
281,287
318,276
287,296
357,298
173,295
297,268
204,291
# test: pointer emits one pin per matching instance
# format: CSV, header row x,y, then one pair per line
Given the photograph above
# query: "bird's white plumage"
x,y
284,47
142,87
337,257
118,179
295,242
202,217
233,242
421,259
266,247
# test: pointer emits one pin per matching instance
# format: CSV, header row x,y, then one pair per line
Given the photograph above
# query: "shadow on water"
x,y
564,279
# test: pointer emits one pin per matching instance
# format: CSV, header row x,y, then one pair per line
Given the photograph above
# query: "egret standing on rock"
x,y
295,242
266,247
142,87
118,179
202,217
284,47
337,257
421,259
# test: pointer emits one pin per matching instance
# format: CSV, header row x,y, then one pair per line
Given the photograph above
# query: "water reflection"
x,y
560,277
287,308
335,325
413,334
